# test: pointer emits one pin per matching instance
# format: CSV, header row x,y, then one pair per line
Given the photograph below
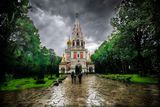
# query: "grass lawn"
x,y
134,78
24,83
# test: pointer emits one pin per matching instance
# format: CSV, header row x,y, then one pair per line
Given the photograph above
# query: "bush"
x,y
40,81
8,77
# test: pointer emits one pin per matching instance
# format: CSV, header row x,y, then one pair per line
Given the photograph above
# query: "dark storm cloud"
x,y
55,18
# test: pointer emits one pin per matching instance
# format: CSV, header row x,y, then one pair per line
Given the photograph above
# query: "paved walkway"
x,y
93,91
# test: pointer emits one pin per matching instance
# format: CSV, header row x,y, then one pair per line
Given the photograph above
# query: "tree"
x,y
21,52
133,47
10,10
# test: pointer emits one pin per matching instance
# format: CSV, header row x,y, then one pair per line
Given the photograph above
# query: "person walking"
x,y
72,77
80,77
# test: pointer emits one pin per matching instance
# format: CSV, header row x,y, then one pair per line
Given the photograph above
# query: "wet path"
x,y
93,91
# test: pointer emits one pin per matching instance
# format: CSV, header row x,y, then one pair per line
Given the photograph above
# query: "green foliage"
x,y
24,83
133,78
8,77
132,47
21,52
28,51
139,79
10,11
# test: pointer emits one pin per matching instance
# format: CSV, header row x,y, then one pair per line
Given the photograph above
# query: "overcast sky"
x,y
55,18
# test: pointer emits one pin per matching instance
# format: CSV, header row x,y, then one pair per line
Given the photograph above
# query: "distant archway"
x,y
62,70
90,69
78,69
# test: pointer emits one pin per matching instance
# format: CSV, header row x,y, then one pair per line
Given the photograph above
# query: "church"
x,y
76,56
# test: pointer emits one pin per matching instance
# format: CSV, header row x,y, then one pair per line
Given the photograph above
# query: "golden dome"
x,y
69,42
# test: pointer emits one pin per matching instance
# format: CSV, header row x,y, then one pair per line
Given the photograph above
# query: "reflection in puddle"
x,y
58,96
93,91
94,99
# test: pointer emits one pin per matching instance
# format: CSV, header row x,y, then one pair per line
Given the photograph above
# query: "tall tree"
x,y
10,10
134,44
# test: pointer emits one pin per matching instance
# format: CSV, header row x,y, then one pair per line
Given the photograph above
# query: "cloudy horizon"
x,y
54,20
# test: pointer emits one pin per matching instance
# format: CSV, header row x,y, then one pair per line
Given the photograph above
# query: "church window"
x,y
77,42
82,43
81,55
73,43
75,55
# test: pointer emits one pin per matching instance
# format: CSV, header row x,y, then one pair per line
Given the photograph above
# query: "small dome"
x,y
69,42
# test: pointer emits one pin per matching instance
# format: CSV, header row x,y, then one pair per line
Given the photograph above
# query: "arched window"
x,y
73,44
82,43
77,42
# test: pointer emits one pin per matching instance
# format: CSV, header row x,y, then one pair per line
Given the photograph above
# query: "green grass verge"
x,y
25,83
133,78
